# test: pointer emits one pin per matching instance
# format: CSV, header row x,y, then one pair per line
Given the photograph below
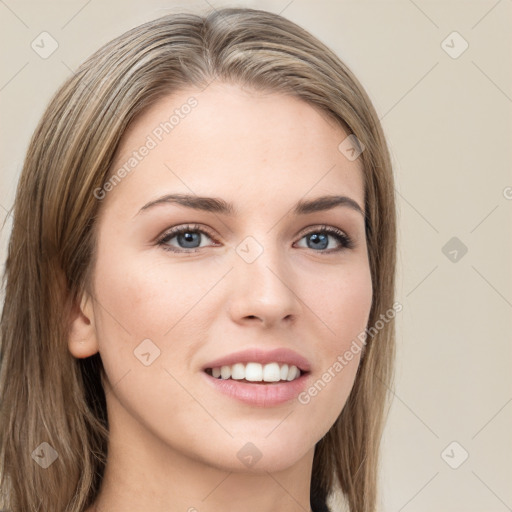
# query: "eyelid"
x,y
319,227
176,230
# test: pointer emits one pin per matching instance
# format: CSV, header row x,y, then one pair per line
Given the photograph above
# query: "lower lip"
x,y
259,395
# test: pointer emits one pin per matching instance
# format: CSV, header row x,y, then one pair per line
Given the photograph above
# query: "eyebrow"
x,y
217,205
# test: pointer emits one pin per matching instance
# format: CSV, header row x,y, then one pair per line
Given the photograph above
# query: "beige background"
x,y
449,125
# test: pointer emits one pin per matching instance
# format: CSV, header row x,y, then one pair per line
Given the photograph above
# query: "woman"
x,y
200,279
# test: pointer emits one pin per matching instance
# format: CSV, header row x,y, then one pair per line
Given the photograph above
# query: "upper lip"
x,y
256,355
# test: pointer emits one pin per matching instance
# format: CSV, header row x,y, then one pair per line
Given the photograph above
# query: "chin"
x,y
260,454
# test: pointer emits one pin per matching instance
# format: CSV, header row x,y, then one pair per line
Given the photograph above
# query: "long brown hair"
x,y
49,396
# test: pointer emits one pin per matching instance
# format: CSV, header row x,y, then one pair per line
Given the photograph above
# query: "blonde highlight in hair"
x,y
47,395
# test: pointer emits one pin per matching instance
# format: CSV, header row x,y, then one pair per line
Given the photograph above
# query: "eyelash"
x,y
344,240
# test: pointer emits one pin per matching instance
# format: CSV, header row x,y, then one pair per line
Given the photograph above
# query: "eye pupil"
x,y
188,238
318,240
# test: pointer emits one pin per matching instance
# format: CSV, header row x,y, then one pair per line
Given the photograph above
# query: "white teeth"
x,y
256,372
271,373
225,372
238,371
253,372
293,373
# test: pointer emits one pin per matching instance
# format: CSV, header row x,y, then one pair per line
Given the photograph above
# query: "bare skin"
x,y
174,438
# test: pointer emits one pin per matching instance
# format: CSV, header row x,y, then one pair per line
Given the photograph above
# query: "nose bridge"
x,y
261,283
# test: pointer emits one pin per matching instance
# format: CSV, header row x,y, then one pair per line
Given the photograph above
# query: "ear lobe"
x,y
82,340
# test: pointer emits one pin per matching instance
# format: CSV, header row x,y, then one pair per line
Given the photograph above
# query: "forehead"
x,y
234,142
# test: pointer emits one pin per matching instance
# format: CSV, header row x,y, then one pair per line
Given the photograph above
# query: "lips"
x,y
257,355
259,394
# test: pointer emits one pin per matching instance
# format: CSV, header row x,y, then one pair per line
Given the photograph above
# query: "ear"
x,y
82,340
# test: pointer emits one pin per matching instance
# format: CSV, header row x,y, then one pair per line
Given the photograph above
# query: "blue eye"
x,y
319,239
188,239
188,236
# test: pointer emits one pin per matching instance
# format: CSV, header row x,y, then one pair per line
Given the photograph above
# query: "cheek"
x,y
138,299
342,303
355,299
148,299
342,306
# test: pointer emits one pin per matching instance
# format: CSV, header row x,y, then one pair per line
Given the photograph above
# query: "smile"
x,y
256,372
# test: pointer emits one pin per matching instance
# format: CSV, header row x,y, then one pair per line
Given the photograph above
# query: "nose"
x,y
262,292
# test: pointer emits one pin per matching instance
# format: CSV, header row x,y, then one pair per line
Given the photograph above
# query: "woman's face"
x,y
254,270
